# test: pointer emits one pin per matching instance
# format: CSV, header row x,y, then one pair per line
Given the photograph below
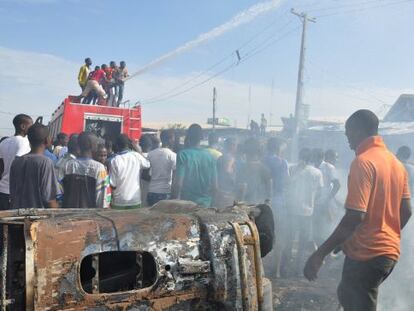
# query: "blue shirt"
x,y
279,171
50,155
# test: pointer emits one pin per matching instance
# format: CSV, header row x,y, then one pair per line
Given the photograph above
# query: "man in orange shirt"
x,y
377,208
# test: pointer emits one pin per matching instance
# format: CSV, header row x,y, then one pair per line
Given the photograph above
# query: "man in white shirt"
x,y
125,173
305,183
325,207
11,147
163,163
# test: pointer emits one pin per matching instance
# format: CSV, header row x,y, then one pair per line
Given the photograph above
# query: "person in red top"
x,y
377,208
94,83
109,84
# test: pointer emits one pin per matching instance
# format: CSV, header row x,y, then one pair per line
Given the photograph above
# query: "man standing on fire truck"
x,y
94,83
83,73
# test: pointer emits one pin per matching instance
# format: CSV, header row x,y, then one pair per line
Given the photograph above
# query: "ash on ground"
x,y
298,294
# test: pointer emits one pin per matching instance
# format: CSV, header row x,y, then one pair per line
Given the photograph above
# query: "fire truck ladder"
x,y
132,118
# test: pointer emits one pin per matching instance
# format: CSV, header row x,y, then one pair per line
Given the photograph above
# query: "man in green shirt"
x,y
196,175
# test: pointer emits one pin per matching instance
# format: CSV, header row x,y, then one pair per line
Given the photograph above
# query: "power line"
x,y
365,8
248,56
347,5
191,79
10,113
194,86
258,51
335,77
221,61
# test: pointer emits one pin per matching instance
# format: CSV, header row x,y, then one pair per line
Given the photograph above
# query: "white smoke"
x,y
243,17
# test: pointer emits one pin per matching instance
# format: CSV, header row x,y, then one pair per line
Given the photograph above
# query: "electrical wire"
x,y
355,7
194,86
347,5
258,51
364,8
10,113
221,61
337,78
248,56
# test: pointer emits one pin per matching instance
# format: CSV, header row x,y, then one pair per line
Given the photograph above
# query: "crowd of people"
x,y
104,82
82,171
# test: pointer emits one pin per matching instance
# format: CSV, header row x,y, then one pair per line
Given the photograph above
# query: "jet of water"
x,y
243,17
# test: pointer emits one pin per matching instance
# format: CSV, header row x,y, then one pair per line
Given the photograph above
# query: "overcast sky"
x,y
359,55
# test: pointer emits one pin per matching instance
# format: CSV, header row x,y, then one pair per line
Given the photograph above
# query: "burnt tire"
x,y
266,227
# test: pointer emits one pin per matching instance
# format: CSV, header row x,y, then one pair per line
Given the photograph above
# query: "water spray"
x,y
241,18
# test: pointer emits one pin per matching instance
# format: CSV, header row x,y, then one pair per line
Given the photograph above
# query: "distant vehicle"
x,y
219,121
173,256
71,117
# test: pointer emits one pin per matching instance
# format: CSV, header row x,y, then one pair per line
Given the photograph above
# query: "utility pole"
x,y
271,102
249,107
214,109
299,111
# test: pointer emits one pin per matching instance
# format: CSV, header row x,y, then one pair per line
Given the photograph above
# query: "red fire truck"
x,y
106,122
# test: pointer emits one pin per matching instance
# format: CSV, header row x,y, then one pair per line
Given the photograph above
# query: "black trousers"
x,y
358,290
4,201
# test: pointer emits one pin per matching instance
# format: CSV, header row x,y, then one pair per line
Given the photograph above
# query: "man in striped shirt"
x,y
86,182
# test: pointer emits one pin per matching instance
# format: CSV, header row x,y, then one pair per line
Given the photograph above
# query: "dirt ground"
x,y
297,294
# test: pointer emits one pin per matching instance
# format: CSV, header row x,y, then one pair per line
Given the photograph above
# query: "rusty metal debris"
x,y
173,256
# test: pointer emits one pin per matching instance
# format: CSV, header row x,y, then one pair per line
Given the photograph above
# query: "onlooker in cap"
x,y
60,166
84,73
306,181
10,148
196,170
61,148
212,145
85,183
125,174
33,183
377,208
120,75
163,163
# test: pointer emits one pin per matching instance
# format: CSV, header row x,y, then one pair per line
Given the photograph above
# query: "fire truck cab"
x,y
72,117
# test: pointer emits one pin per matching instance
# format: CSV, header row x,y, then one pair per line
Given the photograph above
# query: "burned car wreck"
x,y
173,256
